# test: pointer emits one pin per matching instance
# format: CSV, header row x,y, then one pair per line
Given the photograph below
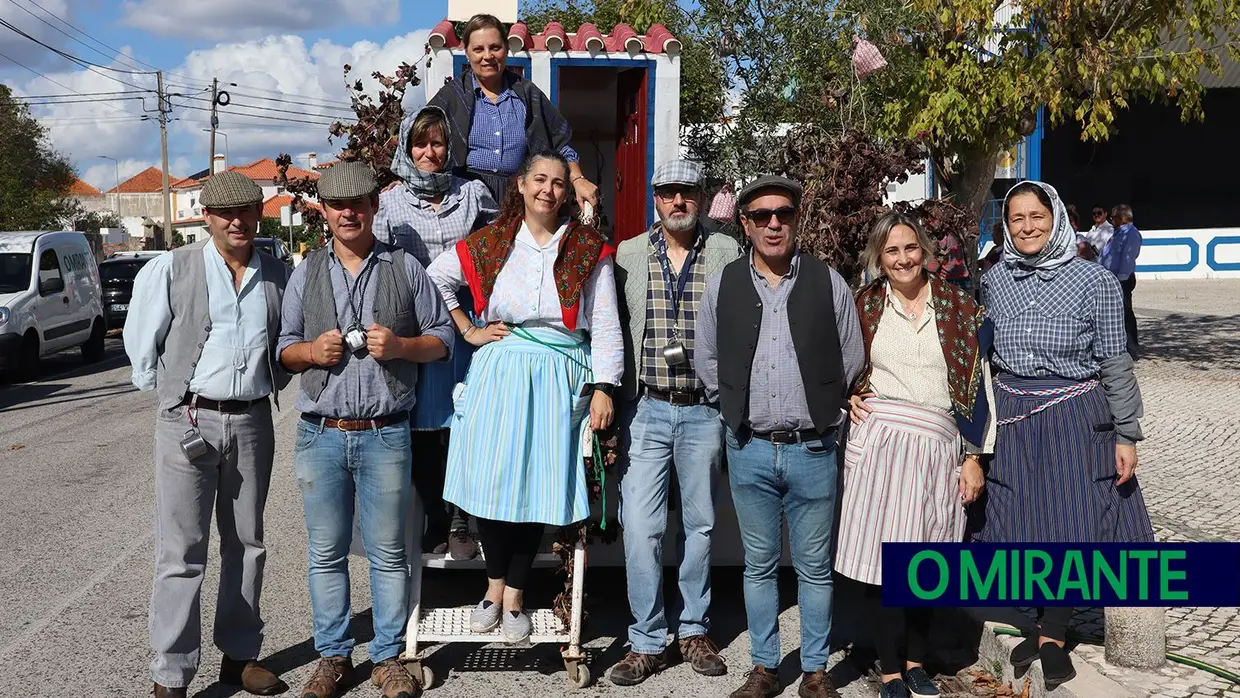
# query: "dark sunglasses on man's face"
x,y
762,216
1099,214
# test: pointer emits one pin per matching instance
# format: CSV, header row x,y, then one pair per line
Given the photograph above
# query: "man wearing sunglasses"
x,y
660,278
1099,235
779,343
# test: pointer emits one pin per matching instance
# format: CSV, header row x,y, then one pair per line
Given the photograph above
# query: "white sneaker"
x,y
517,627
484,618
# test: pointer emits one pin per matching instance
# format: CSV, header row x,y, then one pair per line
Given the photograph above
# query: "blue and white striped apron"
x,y
516,448
1053,475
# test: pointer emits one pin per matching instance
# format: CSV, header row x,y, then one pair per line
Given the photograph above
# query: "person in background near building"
x,y
1098,236
1119,256
995,254
202,334
918,407
359,317
660,277
550,351
428,212
499,117
1065,453
781,377
954,268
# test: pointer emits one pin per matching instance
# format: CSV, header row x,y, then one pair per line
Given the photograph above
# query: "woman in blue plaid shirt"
x,y
428,212
1067,403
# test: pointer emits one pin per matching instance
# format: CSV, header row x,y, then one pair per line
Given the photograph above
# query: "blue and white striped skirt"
x,y
516,448
1053,475
436,380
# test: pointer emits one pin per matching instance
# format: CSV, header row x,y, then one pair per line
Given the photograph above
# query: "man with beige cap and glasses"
x,y
202,334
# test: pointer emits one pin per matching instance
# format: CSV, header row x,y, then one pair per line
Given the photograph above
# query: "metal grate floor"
x,y
452,625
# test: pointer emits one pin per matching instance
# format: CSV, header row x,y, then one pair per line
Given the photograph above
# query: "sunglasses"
x,y
762,216
669,192
1099,213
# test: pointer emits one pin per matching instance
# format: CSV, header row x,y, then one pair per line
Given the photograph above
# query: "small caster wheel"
x,y
427,678
578,674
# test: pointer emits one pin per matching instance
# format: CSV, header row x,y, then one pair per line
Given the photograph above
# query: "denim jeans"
x,y
771,482
659,434
332,466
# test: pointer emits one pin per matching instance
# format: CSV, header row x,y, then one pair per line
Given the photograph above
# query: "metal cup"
x,y
194,446
675,354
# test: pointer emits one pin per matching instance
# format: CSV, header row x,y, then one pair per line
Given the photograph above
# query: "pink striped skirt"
x,y
901,485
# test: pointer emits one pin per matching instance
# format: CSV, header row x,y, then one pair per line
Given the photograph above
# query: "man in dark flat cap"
x,y
202,334
359,317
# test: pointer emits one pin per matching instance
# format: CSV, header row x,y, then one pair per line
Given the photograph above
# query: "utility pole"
x,y
166,236
215,122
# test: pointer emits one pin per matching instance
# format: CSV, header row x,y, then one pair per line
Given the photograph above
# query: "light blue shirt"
x,y
1121,251
233,365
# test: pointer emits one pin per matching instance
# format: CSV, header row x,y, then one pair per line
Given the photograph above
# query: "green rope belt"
x,y
599,471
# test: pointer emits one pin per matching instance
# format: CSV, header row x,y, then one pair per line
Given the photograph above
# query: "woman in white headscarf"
x,y
428,212
1066,402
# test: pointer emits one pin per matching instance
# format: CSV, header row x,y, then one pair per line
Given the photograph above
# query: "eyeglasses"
x,y
669,192
762,216
1099,213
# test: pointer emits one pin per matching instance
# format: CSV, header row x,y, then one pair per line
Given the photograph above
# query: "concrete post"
x,y
1136,637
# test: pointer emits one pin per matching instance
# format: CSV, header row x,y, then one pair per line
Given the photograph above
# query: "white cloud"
x,y
247,18
38,24
308,78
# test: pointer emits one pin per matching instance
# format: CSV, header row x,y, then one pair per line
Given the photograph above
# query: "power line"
x,y
70,25
344,106
60,84
266,109
259,116
88,100
118,55
65,54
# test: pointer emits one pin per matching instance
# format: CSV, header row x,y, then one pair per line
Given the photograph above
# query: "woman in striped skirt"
x,y
1067,403
918,407
550,351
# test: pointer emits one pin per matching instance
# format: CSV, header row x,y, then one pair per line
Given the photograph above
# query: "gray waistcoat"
x,y
191,322
393,308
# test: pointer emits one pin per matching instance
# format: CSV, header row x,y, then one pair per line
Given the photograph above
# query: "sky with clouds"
x,y
284,58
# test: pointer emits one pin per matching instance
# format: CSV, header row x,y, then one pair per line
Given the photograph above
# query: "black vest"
x,y
815,338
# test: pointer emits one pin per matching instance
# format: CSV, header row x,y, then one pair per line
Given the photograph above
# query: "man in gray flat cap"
x,y
359,317
660,278
202,333
779,345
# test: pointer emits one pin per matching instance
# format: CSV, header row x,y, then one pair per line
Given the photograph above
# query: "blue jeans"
x,y
658,434
771,482
332,466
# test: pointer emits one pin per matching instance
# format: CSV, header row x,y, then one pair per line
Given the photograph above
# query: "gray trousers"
x,y
233,476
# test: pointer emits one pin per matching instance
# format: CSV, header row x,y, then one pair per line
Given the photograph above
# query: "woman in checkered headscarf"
x,y
1067,403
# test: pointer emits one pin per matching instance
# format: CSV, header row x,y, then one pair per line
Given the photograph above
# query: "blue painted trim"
x,y
1034,143
1212,261
1194,256
651,71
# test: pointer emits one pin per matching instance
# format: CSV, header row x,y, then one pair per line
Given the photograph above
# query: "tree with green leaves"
x,y
92,221
34,178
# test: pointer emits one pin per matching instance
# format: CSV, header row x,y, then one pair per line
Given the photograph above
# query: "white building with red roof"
x,y
187,211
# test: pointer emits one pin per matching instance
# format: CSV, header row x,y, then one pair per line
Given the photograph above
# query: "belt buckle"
x,y
680,398
783,438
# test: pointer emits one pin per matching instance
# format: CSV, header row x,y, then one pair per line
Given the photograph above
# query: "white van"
x,y
49,298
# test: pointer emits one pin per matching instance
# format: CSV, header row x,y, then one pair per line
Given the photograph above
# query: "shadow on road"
x,y
1203,341
32,396
68,364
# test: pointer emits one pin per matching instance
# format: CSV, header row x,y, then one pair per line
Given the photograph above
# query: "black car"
x,y
276,248
116,274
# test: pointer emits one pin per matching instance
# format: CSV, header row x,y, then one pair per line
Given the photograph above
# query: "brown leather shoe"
x,y
252,676
703,656
759,683
637,667
393,680
330,674
817,685
165,692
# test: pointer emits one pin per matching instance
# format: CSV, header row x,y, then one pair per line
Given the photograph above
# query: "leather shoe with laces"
x,y
637,667
702,655
759,683
252,676
328,677
394,680
816,684
165,692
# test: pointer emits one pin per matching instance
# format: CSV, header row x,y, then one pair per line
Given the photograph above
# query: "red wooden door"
x,y
632,185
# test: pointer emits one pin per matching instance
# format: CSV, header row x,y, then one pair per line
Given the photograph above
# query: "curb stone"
x,y
995,649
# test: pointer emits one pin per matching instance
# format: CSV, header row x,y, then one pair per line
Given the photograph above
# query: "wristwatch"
x,y
606,388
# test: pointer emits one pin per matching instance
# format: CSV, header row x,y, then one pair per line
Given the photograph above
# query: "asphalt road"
x,y
76,556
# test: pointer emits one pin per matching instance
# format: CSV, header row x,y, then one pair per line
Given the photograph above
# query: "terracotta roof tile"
x,y
266,169
79,188
148,181
622,39
272,206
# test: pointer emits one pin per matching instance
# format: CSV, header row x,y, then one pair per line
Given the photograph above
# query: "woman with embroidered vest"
x,y
429,212
918,406
551,351
1067,403
498,117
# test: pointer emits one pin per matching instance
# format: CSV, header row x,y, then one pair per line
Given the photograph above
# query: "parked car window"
x,y
121,271
49,266
14,272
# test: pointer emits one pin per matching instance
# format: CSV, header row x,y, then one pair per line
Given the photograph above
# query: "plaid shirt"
x,y
497,135
660,320
1063,326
